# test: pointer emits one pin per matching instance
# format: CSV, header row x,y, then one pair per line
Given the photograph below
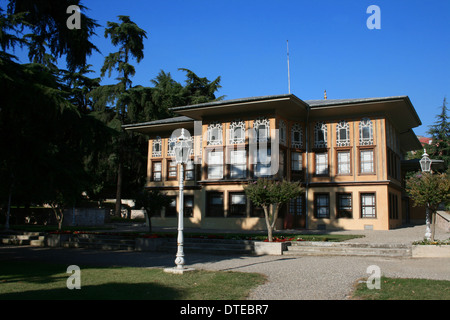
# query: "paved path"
x,y
289,278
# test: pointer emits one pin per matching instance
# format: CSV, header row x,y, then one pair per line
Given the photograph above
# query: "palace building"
x,y
347,153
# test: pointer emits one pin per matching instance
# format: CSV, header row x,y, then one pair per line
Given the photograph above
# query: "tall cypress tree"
x,y
440,132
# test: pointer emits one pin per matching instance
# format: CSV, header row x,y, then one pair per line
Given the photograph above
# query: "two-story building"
x,y
347,153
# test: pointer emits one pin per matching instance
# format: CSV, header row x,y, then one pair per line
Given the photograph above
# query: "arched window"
x,y
237,132
296,136
282,131
365,132
342,134
214,134
157,147
262,128
320,135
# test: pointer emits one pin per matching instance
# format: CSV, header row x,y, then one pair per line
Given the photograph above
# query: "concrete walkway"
x,y
289,278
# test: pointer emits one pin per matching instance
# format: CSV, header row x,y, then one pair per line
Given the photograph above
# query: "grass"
x,y
405,289
43,281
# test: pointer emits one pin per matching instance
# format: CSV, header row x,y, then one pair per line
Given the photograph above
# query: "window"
x,y
170,146
262,166
322,163
238,164
157,147
171,169
214,134
237,204
256,211
215,164
368,205
322,205
297,136
189,170
343,162
171,208
365,132
366,161
156,171
297,206
262,129
342,134
320,135
188,210
393,206
296,161
214,205
237,132
282,128
344,205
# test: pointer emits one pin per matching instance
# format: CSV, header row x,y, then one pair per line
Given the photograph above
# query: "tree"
x,y
152,201
47,21
429,190
130,40
439,149
270,195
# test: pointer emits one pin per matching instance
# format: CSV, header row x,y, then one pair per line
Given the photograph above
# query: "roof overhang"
x,y
160,127
287,105
399,110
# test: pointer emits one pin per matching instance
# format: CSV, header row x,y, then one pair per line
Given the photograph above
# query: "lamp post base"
x,y
176,270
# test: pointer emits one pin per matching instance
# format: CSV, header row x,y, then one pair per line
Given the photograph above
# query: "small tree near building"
x,y
270,195
429,190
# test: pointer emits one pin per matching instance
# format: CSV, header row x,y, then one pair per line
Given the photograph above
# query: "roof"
x,y
398,109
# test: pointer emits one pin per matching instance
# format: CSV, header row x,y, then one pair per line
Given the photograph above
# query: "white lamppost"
x,y
182,150
425,166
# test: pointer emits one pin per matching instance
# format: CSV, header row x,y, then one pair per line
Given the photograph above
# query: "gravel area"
x,y
289,277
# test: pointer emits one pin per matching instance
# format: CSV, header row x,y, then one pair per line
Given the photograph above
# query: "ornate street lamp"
x,y
425,166
182,150
425,162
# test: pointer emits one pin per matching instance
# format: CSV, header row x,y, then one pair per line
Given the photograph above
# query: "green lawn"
x,y
405,289
29,281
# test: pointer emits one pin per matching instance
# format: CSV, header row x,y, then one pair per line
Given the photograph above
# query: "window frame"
x,y
340,209
243,207
209,165
362,207
210,207
316,207
325,152
350,166
360,152
153,171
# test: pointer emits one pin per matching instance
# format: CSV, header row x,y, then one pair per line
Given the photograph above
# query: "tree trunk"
x,y
149,220
8,210
268,224
433,224
118,208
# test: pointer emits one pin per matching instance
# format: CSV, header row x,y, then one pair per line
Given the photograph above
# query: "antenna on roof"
x,y
289,75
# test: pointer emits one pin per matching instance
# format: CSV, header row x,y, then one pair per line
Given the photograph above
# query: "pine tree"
x,y
439,149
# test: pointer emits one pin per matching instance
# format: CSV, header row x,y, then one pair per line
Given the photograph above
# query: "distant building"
x,y
425,140
347,153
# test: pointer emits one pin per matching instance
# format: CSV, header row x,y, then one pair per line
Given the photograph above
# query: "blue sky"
x,y
330,47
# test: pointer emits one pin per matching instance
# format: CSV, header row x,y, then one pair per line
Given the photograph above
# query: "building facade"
x,y
346,153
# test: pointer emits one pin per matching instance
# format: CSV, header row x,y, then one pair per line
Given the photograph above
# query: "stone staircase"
x,y
100,242
23,238
308,248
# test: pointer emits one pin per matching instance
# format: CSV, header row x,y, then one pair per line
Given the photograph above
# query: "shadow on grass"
x,y
109,291
47,281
